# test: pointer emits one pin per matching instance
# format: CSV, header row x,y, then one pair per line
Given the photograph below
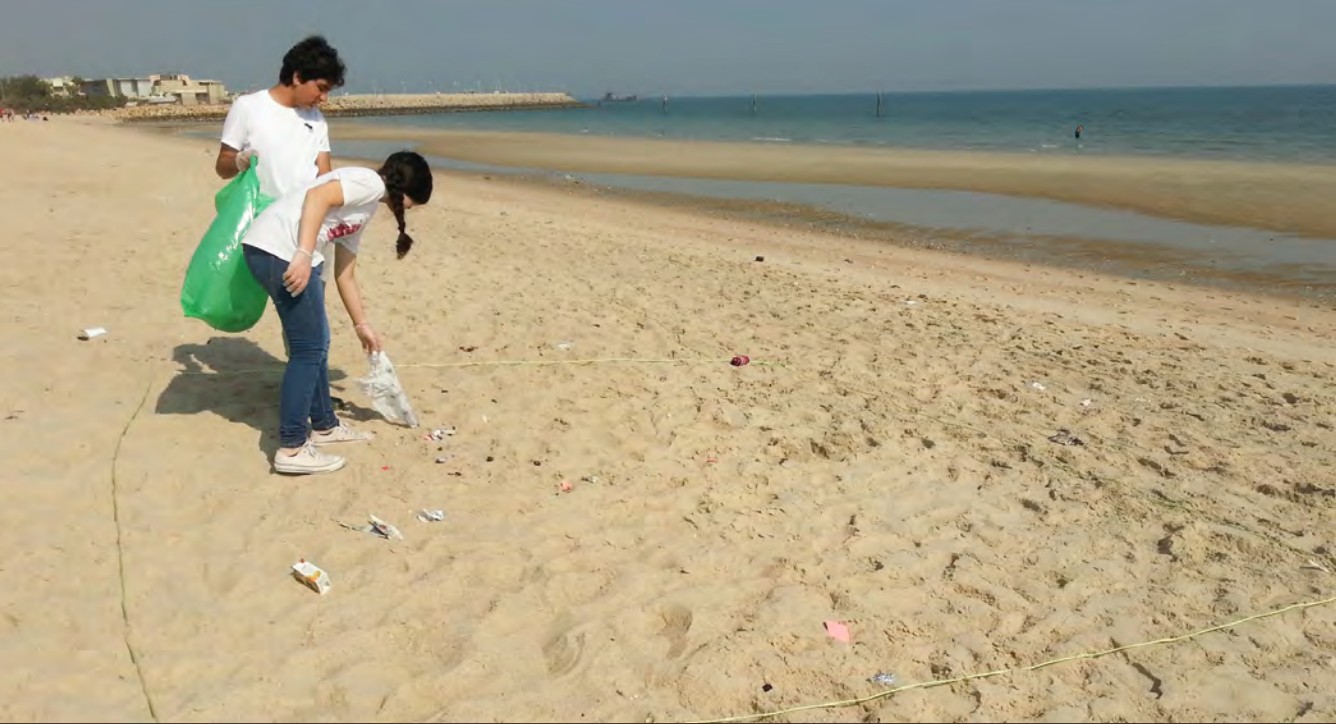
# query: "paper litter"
x,y
837,630
311,575
376,526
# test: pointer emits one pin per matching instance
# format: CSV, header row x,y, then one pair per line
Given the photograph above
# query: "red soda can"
x,y
740,360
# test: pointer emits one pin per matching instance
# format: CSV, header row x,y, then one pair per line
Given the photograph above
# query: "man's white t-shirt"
x,y
287,140
275,229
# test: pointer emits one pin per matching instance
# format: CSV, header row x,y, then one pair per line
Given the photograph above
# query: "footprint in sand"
x,y
676,623
563,651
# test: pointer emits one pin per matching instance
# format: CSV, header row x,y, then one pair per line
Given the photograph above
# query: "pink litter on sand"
x,y
837,631
566,486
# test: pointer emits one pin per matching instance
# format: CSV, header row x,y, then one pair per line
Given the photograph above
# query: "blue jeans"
x,y
305,401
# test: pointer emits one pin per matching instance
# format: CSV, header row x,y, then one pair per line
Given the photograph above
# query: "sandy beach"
x,y
892,459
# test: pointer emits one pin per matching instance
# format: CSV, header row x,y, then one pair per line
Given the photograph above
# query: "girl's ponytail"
x,y
405,174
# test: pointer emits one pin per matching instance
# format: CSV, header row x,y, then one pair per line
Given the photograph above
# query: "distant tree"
x,y
28,93
25,87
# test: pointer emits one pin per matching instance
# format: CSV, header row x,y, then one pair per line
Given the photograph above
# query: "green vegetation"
x,y
28,93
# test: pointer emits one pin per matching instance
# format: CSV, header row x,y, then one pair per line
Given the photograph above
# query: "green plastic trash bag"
x,y
219,288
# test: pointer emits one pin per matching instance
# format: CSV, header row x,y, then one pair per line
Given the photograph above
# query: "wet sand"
x,y
1088,252
1288,198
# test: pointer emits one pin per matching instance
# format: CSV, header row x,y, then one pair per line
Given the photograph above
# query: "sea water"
x,y
1281,124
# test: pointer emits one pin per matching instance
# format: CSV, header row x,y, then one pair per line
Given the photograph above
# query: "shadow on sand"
x,y
234,378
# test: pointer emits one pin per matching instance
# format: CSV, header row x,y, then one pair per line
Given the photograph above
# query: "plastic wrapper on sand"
x,y
387,396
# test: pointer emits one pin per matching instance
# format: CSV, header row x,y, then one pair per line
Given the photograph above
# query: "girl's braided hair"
x,y
405,174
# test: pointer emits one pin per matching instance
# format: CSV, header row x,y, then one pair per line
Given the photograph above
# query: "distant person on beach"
x,y
283,125
1078,132
286,249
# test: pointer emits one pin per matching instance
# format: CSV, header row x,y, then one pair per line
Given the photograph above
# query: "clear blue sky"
x,y
688,47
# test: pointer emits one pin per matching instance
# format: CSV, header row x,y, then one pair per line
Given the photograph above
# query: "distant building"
x,y
62,86
134,87
119,87
101,88
166,88
190,92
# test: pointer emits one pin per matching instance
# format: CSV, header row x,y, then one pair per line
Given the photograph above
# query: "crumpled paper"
x,y
376,526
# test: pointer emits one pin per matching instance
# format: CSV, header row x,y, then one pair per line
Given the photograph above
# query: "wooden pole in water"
x,y
753,110
879,104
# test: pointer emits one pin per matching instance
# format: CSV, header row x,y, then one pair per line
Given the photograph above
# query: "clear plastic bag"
x,y
387,396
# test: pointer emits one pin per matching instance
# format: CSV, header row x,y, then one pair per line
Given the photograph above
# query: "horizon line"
x,y
1029,89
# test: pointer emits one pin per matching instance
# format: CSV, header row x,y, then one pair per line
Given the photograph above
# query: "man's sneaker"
x,y
342,433
307,461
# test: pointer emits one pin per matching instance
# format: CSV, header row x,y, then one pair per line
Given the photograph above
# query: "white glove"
x,y
243,160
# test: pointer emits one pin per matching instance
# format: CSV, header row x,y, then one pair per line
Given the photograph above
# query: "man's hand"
x,y
243,160
231,162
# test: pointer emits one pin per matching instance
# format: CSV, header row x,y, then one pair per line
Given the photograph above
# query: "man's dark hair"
x,y
312,59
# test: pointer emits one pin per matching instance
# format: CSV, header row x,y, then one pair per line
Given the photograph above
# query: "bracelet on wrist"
x,y
308,254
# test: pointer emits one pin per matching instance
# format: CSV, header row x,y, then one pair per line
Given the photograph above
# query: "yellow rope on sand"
x,y
1000,672
120,555
537,362
505,363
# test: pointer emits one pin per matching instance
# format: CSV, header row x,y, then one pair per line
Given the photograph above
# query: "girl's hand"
x,y
368,337
298,274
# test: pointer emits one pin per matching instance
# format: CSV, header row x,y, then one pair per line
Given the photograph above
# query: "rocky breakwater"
x,y
382,104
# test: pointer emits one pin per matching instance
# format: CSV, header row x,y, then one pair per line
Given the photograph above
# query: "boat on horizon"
x,y
610,97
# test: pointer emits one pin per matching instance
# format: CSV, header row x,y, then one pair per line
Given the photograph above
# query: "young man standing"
x,y
283,125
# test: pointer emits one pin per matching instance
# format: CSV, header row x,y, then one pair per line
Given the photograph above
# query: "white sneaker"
x,y
307,461
342,433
